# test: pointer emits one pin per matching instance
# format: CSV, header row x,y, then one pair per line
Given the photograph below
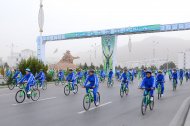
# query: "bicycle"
x,y
59,81
174,84
68,89
123,90
110,82
12,84
89,98
44,85
21,94
146,101
102,79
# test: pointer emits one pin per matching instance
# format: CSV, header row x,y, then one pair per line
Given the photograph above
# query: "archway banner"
x,y
109,44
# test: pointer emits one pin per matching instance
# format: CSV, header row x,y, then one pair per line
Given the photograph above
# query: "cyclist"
x,y
181,74
79,76
71,78
118,73
102,74
41,77
85,74
92,83
61,75
149,84
17,76
186,75
175,76
29,79
160,79
110,75
125,78
143,73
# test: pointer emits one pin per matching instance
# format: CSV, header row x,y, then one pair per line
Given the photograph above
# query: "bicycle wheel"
x,y
86,102
151,104
143,106
20,96
108,84
127,91
11,86
76,89
56,82
44,87
66,90
112,83
97,99
121,91
35,94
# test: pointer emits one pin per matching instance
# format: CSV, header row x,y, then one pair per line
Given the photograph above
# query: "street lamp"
x,y
41,18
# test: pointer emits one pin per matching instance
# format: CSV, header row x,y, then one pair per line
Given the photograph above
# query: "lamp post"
x,y
41,18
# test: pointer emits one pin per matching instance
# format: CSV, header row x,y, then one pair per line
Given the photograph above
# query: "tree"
x,y
85,66
168,65
33,64
101,66
92,66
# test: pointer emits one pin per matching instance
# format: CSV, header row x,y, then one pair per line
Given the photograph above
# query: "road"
x,y
56,109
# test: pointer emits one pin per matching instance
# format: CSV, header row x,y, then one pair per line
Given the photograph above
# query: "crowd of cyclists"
x,y
90,79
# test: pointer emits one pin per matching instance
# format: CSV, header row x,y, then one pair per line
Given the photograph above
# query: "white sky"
x,y
18,20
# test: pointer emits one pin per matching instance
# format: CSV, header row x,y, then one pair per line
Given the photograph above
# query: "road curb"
x,y
180,117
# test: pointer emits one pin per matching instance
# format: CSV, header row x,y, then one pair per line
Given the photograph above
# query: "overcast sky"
x,y
19,21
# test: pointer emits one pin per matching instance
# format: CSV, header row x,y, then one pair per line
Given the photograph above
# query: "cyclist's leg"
x,y
95,90
73,84
162,88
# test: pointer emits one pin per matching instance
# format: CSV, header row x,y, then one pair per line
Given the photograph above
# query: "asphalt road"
x,y
56,109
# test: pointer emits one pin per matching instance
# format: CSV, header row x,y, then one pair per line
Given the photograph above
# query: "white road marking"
x,y
6,94
95,107
51,98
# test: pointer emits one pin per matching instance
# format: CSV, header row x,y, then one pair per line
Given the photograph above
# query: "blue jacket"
x,y
124,77
71,77
102,73
29,78
17,74
110,74
148,82
92,80
61,74
181,73
160,78
41,76
79,74
174,75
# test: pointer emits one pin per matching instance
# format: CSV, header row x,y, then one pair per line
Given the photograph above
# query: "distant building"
x,y
184,60
15,58
25,54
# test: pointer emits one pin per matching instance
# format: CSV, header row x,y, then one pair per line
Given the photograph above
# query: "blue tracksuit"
x,y
175,77
8,73
85,74
148,83
92,81
41,77
79,75
102,74
143,74
61,75
71,78
125,79
110,75
17,76
181,74
118,74
30,81
160,80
